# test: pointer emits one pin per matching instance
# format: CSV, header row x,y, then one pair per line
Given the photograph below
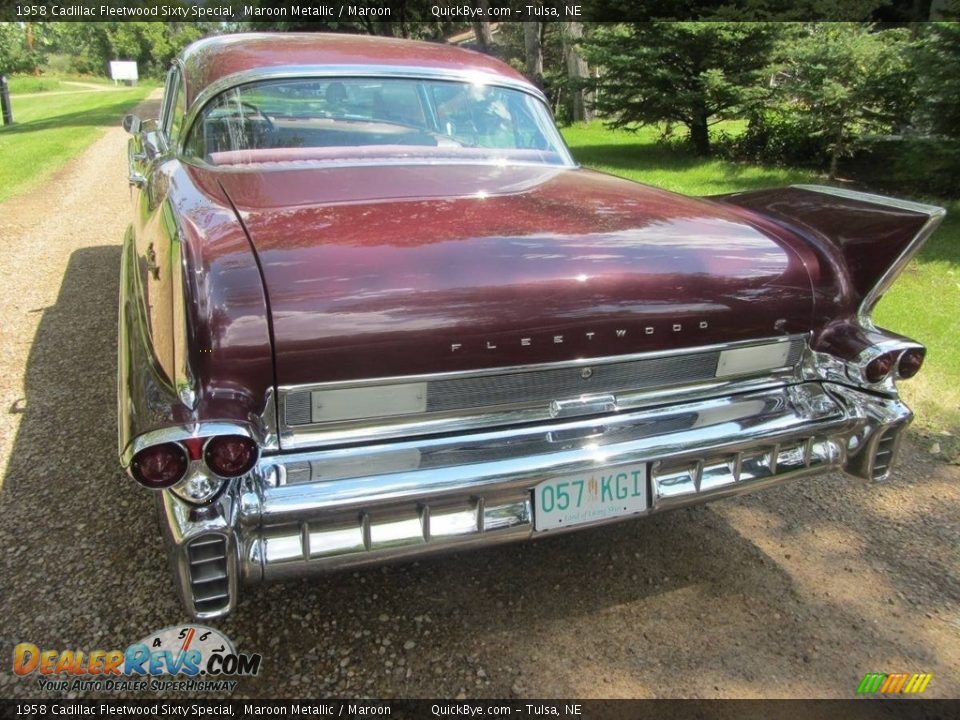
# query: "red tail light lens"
x,y
878,368
910,362
230,455
159,466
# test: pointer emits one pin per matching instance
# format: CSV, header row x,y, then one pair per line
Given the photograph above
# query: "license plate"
x,y
590,496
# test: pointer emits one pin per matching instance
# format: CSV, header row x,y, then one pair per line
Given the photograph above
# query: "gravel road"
x,y
794,592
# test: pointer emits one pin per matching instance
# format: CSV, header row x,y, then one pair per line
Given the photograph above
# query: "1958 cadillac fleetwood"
x,y
371,308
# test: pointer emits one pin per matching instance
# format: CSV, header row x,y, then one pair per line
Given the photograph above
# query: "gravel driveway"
x,y
795,592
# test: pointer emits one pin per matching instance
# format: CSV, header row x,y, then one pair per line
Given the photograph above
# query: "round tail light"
x,y
230,455
159,466
910,363
879,368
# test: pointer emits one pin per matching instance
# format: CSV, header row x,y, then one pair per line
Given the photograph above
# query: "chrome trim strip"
x,y
512,369
133,346
123,351
411,72
314,436
934,215
318,434
873,199
268,167
183,380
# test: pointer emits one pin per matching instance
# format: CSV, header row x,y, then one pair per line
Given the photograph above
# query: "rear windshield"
x,y
351,120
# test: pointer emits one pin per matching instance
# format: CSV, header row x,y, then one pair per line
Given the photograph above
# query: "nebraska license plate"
x,y
589,497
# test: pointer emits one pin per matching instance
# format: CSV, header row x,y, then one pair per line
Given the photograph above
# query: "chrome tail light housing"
x,y
195,468
910,362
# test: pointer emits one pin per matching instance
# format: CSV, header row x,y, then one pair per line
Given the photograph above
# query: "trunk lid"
x,y
400,270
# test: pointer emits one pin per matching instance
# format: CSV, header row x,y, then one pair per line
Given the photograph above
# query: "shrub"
x,y
918,166
772,138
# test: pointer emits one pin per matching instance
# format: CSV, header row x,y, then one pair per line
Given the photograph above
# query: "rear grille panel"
x,y
883,456
546,385
490,393
209,578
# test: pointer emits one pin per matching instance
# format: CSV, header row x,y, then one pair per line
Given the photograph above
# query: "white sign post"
x,y
124,70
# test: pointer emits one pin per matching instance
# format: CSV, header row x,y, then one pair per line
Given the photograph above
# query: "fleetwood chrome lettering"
x,y
558,339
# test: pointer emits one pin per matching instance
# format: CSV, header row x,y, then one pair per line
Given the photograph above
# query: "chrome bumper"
x,y
316,510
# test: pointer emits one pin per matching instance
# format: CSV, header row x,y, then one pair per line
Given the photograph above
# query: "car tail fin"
x,y
869,237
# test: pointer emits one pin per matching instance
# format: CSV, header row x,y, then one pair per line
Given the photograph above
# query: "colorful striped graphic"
x,y
894,683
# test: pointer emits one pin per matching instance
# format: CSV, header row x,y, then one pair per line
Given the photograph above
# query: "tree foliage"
x,y
16,55
937,61
152,45
692,73
841,80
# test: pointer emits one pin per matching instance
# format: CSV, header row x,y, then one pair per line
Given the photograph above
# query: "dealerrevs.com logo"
x,y
181,657
894,683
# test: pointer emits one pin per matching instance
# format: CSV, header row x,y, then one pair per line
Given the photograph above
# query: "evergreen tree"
x,y
691,73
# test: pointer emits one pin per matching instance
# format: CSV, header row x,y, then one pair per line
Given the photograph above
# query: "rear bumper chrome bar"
x,y
309,511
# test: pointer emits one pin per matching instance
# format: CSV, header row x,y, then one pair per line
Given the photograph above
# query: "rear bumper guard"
x,y
313,511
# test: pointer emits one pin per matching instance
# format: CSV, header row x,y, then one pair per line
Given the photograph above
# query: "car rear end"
x,y
390,352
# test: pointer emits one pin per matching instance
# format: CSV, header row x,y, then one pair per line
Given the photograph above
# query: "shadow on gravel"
x,y
616,611
80,539
635,603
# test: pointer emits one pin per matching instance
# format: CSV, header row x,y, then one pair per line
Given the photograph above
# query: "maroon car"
x,y
371,308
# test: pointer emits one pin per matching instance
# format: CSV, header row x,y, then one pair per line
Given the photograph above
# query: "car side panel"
x,y
194,336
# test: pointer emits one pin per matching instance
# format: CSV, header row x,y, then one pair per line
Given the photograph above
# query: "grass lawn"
x,y
50,130
924,303
20,84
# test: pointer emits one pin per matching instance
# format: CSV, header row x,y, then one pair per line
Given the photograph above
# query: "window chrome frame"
x,y
396,72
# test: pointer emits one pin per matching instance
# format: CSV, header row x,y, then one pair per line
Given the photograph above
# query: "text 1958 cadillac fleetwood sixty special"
x,y
371,308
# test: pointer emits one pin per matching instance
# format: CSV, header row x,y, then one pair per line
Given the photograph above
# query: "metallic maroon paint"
x,y
230,349
394,270
855,241
380,271
397,270
230,354
851,243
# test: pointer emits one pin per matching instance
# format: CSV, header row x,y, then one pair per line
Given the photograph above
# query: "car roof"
x,y
212,59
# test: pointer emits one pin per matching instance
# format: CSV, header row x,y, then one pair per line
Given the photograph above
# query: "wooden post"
x,y
5,101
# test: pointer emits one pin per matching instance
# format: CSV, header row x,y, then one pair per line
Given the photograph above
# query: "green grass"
x,y
50,130
924,303
638,156
20,84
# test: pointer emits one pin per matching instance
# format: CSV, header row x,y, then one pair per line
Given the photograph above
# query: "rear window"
x,y
344,120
